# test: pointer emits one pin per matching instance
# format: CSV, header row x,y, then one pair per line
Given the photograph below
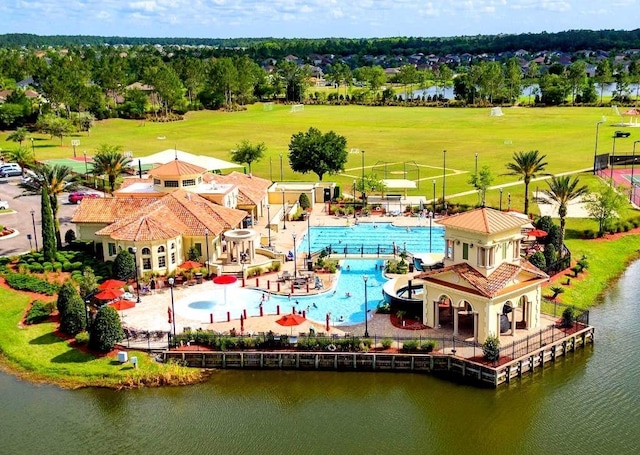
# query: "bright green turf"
x,y
392,134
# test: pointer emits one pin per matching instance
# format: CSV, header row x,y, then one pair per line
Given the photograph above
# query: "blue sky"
x,y
312,18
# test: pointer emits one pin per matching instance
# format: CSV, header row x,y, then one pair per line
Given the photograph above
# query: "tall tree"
x,y
563,190
481,182
603,75
48,232
246,152
19,135
224,78
295,78
604,206
527,166
106,329
577,76
533,73
513,78
110,161
406,76
317,152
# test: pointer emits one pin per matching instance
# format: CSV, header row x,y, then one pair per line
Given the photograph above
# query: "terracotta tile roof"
x,y
131,181
108,210
250,187
494,284
176,168
177,213
484,220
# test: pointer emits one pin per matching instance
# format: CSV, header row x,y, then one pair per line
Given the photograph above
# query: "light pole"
x,y
508,201
354,199
173,311
430,230
271,168
476,171
616,135
206,239
86,169
309,235
434,197
295,262
444,173
33,221
362,180
366,309
134,250
633,162
30,244
33,150
595,151
501,199
86,312
269,223
284,213
281,167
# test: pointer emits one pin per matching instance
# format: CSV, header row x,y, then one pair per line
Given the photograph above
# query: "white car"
x,y
4,205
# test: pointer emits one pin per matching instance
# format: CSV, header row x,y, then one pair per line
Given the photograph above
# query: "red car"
x,y
77,196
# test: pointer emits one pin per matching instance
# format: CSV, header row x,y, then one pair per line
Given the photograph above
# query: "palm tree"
x,y
563,190
110,161
19,135
527,166
22,155
57,179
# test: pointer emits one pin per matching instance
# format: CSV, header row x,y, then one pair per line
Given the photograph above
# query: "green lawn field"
x,y
387,134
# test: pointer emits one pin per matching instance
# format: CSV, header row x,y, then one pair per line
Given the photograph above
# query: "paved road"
x,y
21,218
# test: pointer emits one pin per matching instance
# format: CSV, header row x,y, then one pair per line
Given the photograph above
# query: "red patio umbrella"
x,y
537,233
225,280
122,304
190,265
111,284
290,320
109,294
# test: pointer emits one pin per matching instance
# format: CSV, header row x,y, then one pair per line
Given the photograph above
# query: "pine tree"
x,y
48,227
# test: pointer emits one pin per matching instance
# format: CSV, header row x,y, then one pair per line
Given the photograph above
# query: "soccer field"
x,y
391,137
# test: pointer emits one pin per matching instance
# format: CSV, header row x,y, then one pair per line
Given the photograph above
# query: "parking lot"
x,y
21,218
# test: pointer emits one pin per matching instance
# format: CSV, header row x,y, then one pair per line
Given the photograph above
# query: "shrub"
x,y
69,236
57,266
36,268
124,266
410,346
386,343
23,282
538,260
39,311
428,346
106,329
82,338
568,317
491,348
276,266
75,319
67,267
304,202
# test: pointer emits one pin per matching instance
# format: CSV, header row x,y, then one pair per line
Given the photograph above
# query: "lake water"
x,y
586,403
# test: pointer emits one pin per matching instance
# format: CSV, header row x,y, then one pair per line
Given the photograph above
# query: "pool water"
x,y
374,238
343,309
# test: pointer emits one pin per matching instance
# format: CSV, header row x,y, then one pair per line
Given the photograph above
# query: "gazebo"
x,y
241,245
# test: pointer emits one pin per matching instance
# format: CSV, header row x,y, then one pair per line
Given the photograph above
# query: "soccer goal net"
x,y
496,112
267,107
297,108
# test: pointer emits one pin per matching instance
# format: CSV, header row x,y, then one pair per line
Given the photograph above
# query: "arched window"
x,y
161,249
162,258
173,245
146,258
146,251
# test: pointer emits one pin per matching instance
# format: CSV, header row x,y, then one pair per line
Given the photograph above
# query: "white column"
x,y
455,321
513,321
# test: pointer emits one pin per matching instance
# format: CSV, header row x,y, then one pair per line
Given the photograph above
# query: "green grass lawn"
x,y
36,352
387,134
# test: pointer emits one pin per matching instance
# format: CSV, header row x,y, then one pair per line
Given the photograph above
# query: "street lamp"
x,y
33,221
134,250
269,223
508,201
86,169
430,230
476,171
173,311
206,239
309,235
501,199
284,213
595,151
633,182
281,167
366,309
33,149
616,135
354,199
362,180
434,197
86,312
295,268
444,173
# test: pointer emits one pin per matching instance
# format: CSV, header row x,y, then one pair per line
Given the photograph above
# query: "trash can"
x,y
198,277
309,265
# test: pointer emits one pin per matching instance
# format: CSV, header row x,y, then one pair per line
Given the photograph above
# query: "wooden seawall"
x,y
435,363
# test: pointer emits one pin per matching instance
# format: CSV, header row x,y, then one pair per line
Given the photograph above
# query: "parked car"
x,y
77,196
10,169
4,205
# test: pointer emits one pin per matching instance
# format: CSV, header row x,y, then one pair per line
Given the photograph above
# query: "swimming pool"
x,y
343,309
374,238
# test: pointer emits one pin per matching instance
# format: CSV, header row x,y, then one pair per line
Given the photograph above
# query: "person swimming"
x,y
348,294
314,305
